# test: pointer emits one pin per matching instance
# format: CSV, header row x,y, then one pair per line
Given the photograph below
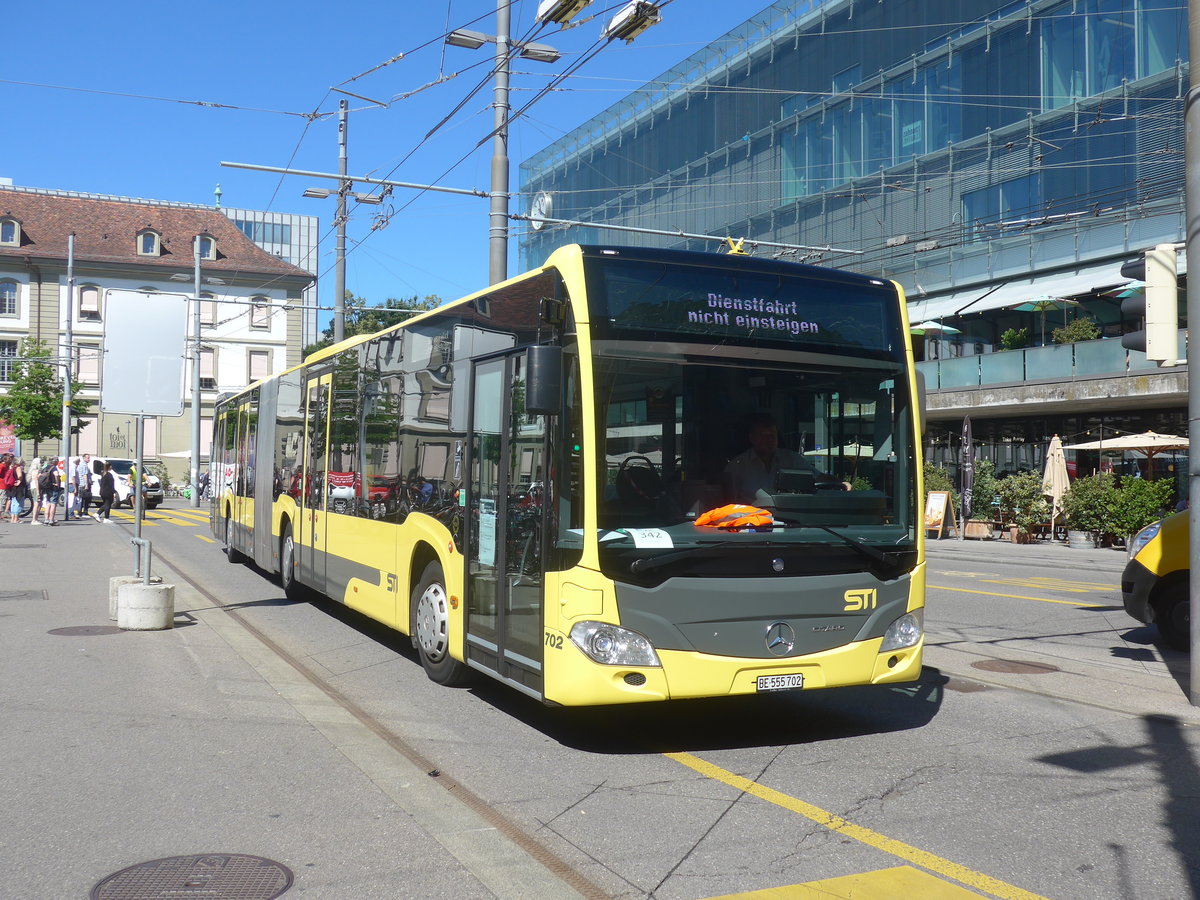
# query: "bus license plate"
x,y
780,682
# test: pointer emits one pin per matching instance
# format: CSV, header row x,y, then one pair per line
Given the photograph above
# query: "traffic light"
x,y
1158,305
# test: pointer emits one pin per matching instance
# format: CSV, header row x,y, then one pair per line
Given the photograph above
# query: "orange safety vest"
x,y
735,515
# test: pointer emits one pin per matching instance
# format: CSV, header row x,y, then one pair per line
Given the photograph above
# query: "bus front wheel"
x,y
431,628
1172,614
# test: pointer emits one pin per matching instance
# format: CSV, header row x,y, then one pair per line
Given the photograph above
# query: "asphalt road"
x,y
1048,750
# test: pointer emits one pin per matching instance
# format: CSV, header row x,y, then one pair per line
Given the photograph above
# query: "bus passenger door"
x,y
504,578
310,536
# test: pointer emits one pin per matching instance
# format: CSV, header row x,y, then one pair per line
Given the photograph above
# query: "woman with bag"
x,y
35,492
16,494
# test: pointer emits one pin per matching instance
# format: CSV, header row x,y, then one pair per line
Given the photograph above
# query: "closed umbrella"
x,y
967,473
1055,481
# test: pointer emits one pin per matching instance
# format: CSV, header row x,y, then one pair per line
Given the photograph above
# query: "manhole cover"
x,y
84,630
220,876
1012,667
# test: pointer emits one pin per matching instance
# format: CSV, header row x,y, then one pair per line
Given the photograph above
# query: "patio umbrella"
x,y
853,449
1149,443
1132,289
1055,481
931,326
1042,305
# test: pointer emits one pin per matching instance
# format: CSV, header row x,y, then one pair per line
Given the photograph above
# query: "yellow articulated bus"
x,y
628,475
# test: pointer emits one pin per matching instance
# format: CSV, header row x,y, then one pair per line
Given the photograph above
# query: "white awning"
x,y
1010,293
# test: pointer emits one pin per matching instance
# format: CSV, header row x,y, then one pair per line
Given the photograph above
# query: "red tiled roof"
x,y
106,232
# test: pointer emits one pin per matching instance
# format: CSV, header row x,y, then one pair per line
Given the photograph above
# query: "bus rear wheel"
x,y
430,606
292,589
231,554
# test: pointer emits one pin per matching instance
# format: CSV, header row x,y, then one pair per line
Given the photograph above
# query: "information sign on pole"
x,y
145,338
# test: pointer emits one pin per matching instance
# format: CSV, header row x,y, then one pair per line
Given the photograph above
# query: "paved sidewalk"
x,y
124,747
1106,559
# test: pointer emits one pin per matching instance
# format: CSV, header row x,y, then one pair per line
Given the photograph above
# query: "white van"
x,y
121,468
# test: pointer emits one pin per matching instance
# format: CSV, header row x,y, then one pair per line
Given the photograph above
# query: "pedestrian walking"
x,y
83,485
16,494
50,483
6,481
108,491
35,492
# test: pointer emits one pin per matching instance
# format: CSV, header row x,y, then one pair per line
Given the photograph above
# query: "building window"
x,y
8,355
260,365
208,368
87,370
208,310
89,302
10,232
148,243
260,313
208,247
8,298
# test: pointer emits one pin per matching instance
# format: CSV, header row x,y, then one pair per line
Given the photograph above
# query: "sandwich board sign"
x,y
145,342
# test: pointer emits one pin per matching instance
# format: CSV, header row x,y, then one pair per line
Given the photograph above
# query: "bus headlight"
x,y
1143,537
904,632
613,645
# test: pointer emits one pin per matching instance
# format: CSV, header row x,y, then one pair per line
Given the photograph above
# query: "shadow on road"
x,y
799,717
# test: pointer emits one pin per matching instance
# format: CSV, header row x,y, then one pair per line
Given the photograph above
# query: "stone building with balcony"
x,y
982,154
251,303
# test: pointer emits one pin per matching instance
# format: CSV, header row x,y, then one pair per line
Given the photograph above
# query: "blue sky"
x,y
118,99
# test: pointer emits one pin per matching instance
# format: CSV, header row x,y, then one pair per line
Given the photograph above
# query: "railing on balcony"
x,y
1058,362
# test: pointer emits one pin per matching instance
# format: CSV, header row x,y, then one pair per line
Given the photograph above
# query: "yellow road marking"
x,y
125,517
938,587
206,540
188,523
1054,584
200,515
944,867
884,884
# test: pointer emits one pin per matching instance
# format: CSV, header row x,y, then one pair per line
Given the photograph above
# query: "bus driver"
x,y
754,471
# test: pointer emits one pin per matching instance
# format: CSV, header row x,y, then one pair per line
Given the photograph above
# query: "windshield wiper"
x,y
891,560
649,563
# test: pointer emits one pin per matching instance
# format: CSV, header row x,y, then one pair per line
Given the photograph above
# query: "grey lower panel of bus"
x,y
731,616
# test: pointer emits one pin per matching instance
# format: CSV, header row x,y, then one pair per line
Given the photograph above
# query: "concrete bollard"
x,y
116,581
145,607
113,584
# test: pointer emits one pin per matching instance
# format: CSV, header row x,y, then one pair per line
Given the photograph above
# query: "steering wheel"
x,y
638,483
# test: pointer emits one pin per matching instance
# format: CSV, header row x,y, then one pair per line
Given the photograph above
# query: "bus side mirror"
x,y
543,383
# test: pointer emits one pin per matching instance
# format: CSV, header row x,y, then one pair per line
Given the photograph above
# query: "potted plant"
x,y
1140,502
984,500
1089,504
1023,505
1080,329
1014,339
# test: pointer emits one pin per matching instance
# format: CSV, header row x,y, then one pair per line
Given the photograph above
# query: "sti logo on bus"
x,y
860,599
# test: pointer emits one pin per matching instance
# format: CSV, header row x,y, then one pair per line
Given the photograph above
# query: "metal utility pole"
x,y
1192,217
195,475
498,219
339,274
69,357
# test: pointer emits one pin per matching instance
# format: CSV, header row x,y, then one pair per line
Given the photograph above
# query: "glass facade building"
x,y
979,153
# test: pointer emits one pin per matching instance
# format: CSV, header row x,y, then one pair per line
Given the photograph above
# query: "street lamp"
x,y
631,21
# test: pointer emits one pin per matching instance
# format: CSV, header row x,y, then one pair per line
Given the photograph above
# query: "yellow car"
x,y
1154,585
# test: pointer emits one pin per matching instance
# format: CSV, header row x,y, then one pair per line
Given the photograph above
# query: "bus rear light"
x,y
613,645
904,632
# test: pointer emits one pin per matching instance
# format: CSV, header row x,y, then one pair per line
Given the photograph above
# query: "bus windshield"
x,y
819,446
